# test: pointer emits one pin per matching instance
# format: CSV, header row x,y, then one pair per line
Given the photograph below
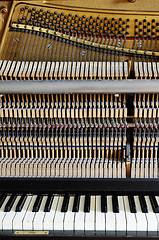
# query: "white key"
x,y
59,216
90,216
8,219
157,214
2,213
130,217
110,217
120,217
69,216
29,216
39,216
140,217
79,216
100,216
151,218
49,216
18,219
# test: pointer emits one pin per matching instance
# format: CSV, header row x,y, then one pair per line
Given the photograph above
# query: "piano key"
x,y
120,217
59,216
10,203
103,203
8,219
154,203
115,204
110,217
69,216
19,216
2,212
79,217
49,203
76,203
152,222
131,223
21,203
39,215
143,204
2,198
29,216
140,218
100,216
90,217
65,203
87,203
37,203
132,204
49,216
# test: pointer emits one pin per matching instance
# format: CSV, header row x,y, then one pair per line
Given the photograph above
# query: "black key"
x,y
76,203
143,204
115,204
10,203
21,203
87,203
65,203
103,204
154,204
37,203
132,204
2,199
48,203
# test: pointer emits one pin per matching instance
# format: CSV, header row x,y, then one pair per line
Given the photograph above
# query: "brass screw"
x,y
3,10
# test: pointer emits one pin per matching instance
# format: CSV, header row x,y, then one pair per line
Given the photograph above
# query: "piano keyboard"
x,y
87,214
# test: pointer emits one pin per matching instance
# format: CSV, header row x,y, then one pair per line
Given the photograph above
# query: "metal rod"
x,y
79,86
